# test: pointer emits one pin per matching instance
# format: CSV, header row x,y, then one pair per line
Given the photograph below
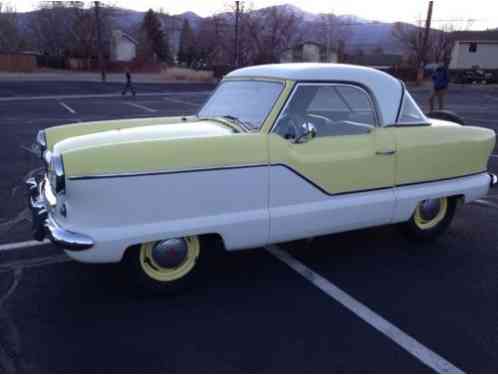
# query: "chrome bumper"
x,y
44,224
494,180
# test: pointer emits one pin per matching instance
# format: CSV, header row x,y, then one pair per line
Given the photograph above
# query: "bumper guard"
x,y
44,224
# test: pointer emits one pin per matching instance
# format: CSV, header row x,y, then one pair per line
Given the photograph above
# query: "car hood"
x,y
159,132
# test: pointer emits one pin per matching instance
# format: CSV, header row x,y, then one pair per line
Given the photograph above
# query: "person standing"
x,y
129,84
440,81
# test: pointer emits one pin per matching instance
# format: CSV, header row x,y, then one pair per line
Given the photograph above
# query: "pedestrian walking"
x,y
440,81
129,84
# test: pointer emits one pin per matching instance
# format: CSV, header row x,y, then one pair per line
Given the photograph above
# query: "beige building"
x,y
308,52
123,47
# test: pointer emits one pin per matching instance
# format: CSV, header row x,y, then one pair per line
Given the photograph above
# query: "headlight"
x,y
41,141
56,175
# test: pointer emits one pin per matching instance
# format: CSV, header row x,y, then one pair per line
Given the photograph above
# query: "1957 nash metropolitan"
x,y
278,153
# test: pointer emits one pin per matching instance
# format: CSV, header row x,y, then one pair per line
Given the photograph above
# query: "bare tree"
x,y
333,31
411,39
68,28
10,33
442,44
269,34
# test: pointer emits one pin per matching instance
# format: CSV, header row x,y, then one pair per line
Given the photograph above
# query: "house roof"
x,y
386,89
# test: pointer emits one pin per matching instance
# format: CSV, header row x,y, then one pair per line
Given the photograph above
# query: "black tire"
x,y
430,230
143,283
446,116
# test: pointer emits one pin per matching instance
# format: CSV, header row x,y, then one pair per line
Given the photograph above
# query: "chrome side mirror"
x,y
305,133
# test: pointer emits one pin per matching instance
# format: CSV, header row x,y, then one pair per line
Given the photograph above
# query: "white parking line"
x,y
86,96
181,102
483,202
34,262
412,346
147,109
22,245
67,107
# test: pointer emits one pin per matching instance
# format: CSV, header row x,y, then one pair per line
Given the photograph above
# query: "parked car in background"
x,y
278,153
475,76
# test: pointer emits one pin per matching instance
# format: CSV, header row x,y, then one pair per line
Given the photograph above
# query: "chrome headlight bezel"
x,y
56,175
41,141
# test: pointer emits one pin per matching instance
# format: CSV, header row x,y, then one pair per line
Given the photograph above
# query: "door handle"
x,y
386,153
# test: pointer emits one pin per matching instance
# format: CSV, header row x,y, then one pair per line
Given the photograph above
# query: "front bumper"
x,y
44,224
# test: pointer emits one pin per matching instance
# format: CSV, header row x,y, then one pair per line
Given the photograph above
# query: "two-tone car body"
x,y
278,153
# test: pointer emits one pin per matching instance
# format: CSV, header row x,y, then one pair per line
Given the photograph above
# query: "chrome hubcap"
x,y
429,209
170,253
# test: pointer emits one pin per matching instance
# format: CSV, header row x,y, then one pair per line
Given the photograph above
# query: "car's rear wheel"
x,y
431,218
165,266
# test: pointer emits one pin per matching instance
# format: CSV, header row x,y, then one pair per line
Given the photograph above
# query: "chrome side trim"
x,y
162,172
65,238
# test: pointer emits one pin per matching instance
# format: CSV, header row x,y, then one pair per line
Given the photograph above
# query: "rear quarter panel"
x,y
441,151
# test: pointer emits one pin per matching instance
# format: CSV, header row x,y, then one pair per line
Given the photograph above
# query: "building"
x,y
308,52
473,54
123,47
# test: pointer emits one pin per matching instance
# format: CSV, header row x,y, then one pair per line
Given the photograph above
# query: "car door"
x,y
340,179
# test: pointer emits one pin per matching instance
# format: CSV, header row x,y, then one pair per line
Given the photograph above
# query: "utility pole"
x,y
425,44
236,47
99,41
428,23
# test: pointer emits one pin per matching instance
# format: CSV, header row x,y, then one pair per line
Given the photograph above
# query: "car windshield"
x,y
246,102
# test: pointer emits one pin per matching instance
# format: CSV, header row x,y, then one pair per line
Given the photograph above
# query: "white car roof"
x,y
386,89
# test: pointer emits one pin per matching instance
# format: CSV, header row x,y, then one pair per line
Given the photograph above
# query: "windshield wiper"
x,y
246,125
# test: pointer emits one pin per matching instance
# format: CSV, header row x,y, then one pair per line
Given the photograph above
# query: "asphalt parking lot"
x,y
364,301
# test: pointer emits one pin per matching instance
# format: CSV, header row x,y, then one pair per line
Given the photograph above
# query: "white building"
x,y
123,47
470,54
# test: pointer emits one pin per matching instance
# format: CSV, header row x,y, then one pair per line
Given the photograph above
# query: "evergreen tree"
x,y
186,51
153,40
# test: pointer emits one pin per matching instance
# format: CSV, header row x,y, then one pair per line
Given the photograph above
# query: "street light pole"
x,y
99,41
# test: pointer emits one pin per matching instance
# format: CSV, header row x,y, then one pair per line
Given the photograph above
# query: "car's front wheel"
x,y
431,218
164,266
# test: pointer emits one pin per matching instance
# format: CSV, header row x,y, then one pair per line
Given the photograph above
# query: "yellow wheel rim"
x,y
164,274
424,223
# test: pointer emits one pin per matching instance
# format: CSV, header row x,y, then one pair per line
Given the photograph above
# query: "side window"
x,y
410,113
334,110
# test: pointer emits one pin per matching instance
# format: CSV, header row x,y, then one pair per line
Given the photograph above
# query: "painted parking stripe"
x,y
87,96
181,102
411,345
483,202
67,107
35,262
22,245
147,109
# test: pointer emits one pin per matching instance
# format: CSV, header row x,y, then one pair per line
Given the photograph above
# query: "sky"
x,y
483,12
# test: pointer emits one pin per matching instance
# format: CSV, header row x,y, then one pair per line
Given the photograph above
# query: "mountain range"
x,y
362,34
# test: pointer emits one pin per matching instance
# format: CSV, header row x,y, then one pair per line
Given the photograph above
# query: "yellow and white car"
x,y
278,153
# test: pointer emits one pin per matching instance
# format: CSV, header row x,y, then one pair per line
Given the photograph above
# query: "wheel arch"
x,y
215,239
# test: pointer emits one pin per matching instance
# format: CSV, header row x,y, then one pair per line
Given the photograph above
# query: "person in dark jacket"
x,y
129,85
440,81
